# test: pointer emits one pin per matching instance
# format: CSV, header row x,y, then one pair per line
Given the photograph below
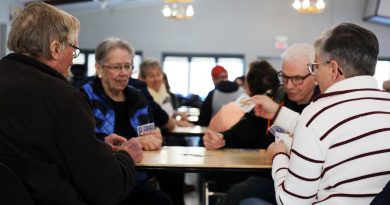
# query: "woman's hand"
x,y
151,140
213,140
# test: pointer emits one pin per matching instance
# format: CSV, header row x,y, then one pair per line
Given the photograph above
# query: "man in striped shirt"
x,y
341,146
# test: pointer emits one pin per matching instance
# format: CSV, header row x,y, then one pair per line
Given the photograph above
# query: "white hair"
x,y
298,50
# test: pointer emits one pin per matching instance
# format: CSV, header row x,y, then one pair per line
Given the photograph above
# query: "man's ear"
x,y
55,50
334,66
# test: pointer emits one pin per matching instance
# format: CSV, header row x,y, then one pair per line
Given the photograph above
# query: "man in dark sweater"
x,y
47,132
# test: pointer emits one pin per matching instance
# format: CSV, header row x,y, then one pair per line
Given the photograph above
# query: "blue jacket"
x,y
103,111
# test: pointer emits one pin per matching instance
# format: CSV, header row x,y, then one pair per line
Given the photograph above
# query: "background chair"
x,y
12,190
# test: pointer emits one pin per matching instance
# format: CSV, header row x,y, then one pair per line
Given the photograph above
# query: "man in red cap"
x,y
219,74
225,91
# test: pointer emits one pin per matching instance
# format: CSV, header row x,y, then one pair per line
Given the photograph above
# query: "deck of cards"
x,y
144,128
281,134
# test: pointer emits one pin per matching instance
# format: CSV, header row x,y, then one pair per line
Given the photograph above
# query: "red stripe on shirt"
x,y
306,158
360,136
349,119
353,158
341,102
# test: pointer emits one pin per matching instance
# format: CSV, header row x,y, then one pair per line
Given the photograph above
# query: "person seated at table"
x,y
161,118
152,74
47,133
250,131
120,110
300,88
224,92
341,140
298,85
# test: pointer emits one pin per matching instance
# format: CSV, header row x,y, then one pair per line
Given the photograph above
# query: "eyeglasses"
x,y
76,50
296,80
118,68
313,67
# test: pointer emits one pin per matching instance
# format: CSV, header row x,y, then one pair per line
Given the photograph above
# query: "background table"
x,y
188,131
199,159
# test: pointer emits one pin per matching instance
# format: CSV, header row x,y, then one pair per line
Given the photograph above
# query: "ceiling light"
x,y
178,9
309,6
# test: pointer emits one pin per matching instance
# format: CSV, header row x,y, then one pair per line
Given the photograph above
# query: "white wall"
x,y
244,27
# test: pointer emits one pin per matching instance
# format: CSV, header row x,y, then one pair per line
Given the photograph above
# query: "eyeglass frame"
x,y
296,80
118,68
76,50
310,67
314,71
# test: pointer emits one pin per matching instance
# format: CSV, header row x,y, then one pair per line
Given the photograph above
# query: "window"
x,y
191,74
382,71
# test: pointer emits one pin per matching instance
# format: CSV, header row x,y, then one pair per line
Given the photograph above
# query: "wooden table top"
x,y
200,159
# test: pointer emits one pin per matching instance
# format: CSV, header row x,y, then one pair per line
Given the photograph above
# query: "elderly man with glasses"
x,y
341,140
300,87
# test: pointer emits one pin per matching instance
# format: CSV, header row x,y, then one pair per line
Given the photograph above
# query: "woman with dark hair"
x,y
250,131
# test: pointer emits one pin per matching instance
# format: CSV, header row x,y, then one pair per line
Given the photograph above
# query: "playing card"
x,y
273,129
245,102
286,139
144,128
139,130
148,127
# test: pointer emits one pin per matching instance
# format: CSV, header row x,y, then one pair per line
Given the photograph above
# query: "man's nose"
x,y
289,84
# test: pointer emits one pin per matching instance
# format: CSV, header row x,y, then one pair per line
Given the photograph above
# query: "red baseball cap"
x,y
217,71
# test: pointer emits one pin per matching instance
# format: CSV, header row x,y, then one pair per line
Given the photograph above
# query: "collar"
x,y
353,84
38,65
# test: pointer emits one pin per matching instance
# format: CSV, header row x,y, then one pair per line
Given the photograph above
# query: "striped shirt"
x,y
341,148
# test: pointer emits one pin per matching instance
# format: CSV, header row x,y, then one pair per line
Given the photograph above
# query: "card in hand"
x,y
148,127
144,128
139,130
245,102
273,129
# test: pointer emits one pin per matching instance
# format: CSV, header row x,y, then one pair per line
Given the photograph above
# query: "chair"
x,y
207,193
383,198
12,190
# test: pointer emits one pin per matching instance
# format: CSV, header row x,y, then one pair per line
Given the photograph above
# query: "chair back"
x,y
12,190
383,198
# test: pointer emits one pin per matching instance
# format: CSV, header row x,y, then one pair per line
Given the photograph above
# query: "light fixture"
x,y
309,6
178,9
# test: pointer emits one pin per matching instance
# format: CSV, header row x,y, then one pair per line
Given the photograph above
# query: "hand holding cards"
x,y
281,134
149,137
145,128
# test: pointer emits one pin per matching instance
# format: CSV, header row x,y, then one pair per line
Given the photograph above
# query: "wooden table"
x,y
198,159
